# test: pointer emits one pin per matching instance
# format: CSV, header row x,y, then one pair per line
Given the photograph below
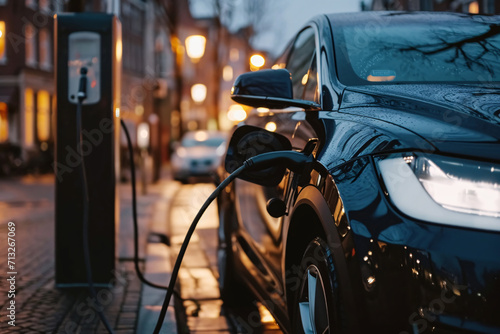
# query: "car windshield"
x,y
210,142
469,52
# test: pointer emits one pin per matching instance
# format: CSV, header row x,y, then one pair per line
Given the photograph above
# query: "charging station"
x,y
88,44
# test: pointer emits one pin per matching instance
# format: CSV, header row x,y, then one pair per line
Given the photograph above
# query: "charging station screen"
x,y
84,51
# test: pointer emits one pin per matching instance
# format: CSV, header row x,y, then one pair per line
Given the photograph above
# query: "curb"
x,y
158,267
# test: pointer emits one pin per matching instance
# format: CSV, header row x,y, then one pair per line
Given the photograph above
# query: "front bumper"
x,y
411,276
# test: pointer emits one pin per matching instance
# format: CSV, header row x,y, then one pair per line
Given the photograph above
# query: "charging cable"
x,y
81,96
134,216
294,161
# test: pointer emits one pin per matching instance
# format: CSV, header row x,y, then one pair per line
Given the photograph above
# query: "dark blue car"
x,y
394,227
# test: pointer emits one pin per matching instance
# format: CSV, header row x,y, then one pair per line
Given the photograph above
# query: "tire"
x,y
318,282
232,291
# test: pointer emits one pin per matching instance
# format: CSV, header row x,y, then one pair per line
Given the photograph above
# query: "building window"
x,y
45,50
234,55
43,115
3,34
29,105
474,7
4,122
29,35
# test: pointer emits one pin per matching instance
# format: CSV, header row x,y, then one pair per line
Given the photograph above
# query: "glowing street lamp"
x,y
195,47
236,113
256,62
271,126
143,135
199,93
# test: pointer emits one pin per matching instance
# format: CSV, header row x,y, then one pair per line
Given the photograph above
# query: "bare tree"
x,y
458,48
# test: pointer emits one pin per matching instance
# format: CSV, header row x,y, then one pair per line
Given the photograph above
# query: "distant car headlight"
x,y
443,190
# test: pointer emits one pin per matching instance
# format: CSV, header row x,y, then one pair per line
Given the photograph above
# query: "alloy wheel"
x,y
313,305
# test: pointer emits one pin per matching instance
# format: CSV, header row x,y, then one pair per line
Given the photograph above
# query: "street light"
x,y
198,93
256,62
271,126
195,47
236,113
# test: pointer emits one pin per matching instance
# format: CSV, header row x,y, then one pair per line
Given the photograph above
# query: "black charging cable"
x,y
134,216
81,96
295,161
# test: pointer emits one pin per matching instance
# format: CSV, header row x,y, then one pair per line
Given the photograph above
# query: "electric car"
x,y
393,226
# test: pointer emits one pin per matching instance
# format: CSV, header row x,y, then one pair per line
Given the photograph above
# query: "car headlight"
x,y
443,190
181,152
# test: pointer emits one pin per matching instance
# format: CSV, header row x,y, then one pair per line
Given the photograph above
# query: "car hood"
x,y
457,119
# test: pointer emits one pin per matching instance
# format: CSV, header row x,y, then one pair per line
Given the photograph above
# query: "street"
x,y
28,202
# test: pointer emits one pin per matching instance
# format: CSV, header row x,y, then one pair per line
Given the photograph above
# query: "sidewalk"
x,y
198,273
129,306
158,265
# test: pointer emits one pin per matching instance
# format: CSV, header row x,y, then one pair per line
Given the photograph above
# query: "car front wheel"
x,y
316,302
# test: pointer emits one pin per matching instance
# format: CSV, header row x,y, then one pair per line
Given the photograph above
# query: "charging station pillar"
x,y
93,41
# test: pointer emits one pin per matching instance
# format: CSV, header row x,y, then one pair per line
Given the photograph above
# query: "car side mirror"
x,y
248,141
269,89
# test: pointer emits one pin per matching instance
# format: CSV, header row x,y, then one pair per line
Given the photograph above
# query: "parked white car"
x,y
198,154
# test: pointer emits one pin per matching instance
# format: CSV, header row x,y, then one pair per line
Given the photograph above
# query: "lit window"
x,y
234,54
45,50
28,116
3,53
474,7
29,35
227,73
4,122
43,115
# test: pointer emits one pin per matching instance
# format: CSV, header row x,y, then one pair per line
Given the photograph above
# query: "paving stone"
x,y
40,306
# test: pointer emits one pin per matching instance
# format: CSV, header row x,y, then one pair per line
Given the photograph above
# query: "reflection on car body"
x,y
395,228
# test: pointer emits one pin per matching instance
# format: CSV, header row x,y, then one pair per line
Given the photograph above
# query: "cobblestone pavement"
x,y
39,306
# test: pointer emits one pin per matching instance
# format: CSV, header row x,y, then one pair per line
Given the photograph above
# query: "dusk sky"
x,y
278,20
287,16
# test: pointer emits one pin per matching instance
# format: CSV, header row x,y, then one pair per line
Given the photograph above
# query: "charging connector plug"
x,y
294,161
82,87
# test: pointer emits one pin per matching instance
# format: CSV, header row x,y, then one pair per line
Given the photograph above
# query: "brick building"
x,y
27,92
27,79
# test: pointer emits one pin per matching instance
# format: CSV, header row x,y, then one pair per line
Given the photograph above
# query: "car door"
x,y
260,233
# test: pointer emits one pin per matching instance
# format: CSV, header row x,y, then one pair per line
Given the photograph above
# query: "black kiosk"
x,y
91,41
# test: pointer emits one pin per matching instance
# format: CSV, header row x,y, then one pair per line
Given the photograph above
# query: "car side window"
x,y
311,91
300,60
